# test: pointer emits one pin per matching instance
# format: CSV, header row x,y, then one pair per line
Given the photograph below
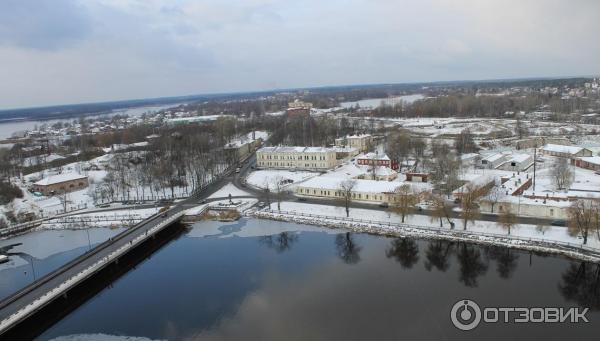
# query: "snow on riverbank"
x,y
546,239
556,233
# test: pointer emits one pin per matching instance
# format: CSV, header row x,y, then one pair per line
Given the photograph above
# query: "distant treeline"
x,y
321,97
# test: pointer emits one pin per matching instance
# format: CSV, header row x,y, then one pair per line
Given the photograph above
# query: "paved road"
x,y
30,293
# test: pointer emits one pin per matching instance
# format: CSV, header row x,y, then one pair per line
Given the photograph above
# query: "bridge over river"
x,y
37,306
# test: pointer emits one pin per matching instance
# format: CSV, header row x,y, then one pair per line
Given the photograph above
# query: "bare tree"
x,y
279,190
441,209
345,189
407,200
468,204
493,196
584,218
507,219
267,190
562,174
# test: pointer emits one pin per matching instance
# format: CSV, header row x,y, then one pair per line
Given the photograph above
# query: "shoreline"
x,y
406,230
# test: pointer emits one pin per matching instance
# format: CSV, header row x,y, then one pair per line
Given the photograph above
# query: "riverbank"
x,y
570,250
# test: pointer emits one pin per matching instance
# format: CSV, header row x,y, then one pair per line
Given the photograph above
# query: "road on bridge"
x,y
37,289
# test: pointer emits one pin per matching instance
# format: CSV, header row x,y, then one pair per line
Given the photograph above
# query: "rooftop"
x,y
60,178
558,148
591,159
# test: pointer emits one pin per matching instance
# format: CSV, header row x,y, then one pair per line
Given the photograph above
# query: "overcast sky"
x,y
72,51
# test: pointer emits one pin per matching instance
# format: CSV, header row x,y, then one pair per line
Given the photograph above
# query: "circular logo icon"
x,y
465,315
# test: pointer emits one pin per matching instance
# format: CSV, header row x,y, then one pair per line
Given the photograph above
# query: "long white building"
x,y
363,190
302,158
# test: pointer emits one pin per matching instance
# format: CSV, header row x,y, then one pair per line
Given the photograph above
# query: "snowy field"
x,y
269,178
557,233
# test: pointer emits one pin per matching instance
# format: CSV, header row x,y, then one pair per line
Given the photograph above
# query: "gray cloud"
x,y
73,51
42,24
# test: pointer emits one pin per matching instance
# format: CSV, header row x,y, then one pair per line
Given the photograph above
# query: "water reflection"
x,y
280,242
347,249
213,289
438,255
581,283
506,260
471,264
405,251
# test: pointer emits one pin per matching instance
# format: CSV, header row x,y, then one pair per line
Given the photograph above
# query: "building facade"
x,y
565,151
363,190
589,162
60,183
362,142
371,159
298,108
301,158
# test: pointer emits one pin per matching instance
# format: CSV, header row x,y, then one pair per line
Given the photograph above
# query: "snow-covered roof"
x,y
558,148
291,149
360,136
494,157
374,156
591,159
520,157
365,186
60,178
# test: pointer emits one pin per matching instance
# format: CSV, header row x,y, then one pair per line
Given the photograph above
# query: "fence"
x,y
438,230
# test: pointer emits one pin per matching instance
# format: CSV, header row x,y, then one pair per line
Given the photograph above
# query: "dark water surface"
x,y
250,281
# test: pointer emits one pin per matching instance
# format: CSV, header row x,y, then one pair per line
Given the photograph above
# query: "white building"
x,y
362,142
522,206
363,190
302,158
517,162
565,151
493,161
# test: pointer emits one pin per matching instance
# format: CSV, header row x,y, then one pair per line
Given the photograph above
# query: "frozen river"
x,y
265,280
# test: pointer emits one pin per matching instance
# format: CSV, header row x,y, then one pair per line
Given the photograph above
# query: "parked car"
x,y
301,199
558,223
384,205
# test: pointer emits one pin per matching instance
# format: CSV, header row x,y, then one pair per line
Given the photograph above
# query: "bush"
x,y
8,192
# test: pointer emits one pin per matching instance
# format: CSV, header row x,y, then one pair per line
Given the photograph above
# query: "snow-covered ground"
x,y
557,233
45,243
590,252
263,178
99,219
228,189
